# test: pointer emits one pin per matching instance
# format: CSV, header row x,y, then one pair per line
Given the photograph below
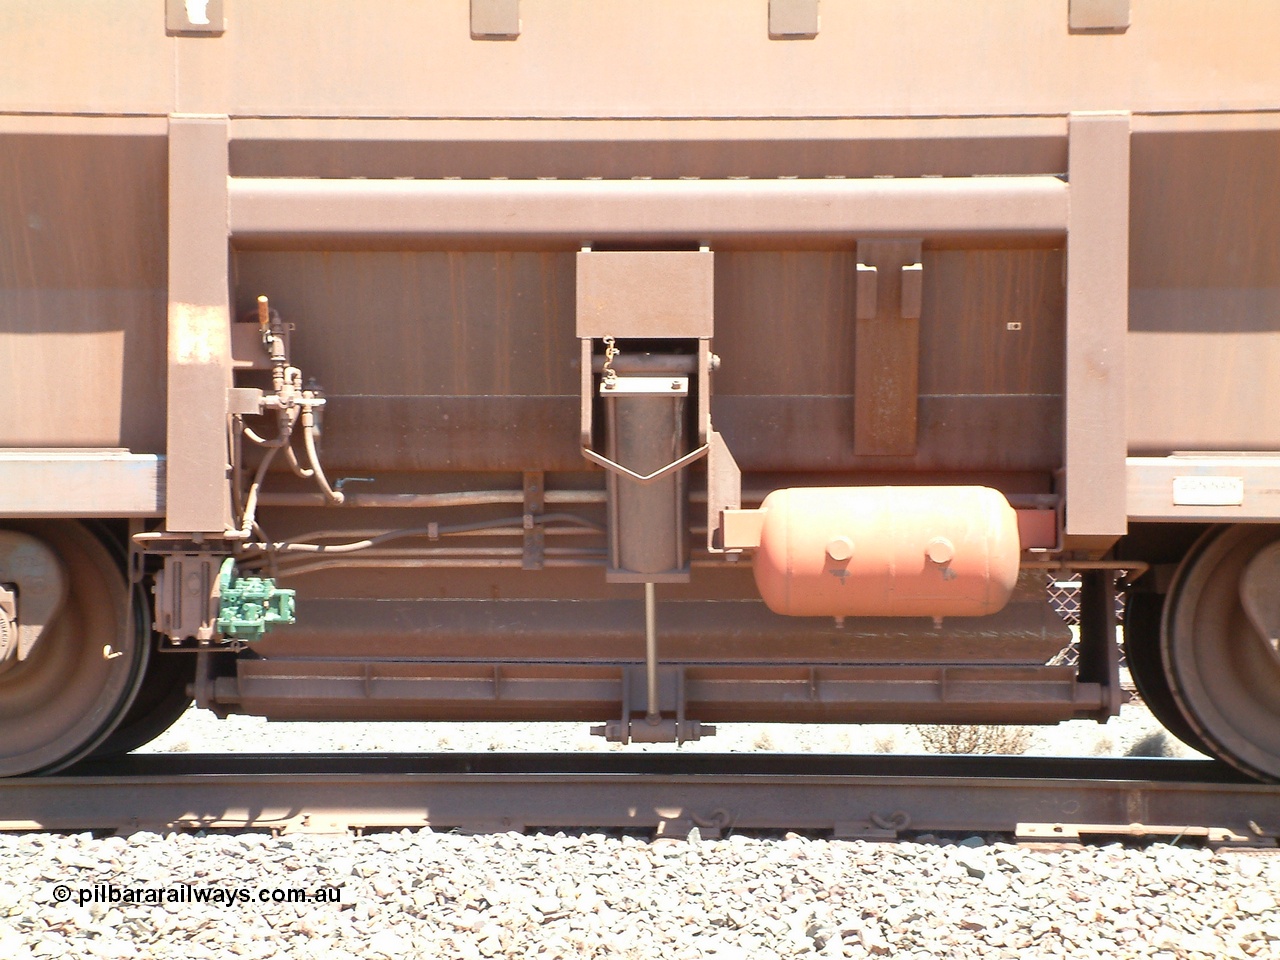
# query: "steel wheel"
x,y
1223,674
82,673
1142,653
161,700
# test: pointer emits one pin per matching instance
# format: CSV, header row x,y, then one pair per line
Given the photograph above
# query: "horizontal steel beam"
x,y
605,633
574,212
1218,487
81,483
303,689
643,130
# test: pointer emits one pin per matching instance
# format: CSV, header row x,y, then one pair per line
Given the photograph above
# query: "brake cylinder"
x,y
887,551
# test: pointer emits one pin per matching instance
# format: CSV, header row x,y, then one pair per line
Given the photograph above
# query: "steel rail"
x,y
867,797
574,212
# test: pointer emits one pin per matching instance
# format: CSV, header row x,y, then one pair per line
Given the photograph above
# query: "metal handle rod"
x,y
653,715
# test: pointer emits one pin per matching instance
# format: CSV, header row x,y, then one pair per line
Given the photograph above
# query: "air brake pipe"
x,y
434,531
251,502
418,501
567,212
444,563
334,497
471,498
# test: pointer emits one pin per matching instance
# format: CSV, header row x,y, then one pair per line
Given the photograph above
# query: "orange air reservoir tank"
x,y
887,551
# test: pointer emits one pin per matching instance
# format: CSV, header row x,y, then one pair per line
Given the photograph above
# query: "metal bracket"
x,y
912,299
1099,655
197,18
793,19
665,728
889,302
1098,16
495,19
724,493
911,287
534,536
245,401
707,362
868,292
670,468
653,386
724,478
186,595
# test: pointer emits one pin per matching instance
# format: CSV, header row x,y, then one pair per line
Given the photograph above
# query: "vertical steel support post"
x,y
1097,326
1099,654
199,372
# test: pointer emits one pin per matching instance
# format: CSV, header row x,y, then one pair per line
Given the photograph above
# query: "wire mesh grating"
x,y
1064,597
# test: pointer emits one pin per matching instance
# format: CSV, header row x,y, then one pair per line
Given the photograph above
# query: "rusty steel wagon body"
x,y
652,363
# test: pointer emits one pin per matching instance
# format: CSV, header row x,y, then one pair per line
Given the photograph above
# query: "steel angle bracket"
x,y
640,385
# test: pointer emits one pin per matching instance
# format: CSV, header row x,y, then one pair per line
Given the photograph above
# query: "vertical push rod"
x,y
652,714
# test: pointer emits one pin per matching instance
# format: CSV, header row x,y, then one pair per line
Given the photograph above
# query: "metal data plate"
x,y
633,386
1205,491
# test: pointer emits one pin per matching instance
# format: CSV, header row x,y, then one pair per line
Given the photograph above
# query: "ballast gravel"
x,y
423,894
427,895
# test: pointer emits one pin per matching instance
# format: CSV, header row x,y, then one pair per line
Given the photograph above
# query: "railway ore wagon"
x,y
653,364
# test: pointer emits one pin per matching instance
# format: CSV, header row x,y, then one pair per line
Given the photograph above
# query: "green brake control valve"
x,y
250,606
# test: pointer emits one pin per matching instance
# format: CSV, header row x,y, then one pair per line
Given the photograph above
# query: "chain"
x,y
610,375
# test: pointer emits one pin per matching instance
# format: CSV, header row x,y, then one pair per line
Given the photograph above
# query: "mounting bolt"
x,y
940,550
840,549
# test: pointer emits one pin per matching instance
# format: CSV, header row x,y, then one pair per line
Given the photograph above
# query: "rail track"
x,y
870,797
